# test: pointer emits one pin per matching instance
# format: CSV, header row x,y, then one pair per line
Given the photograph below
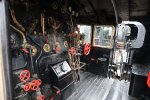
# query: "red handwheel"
x,y
34,87
148,80
87,48
41,97
26,87
24,76
39,82
35,84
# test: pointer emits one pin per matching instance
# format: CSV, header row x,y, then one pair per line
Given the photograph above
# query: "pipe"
x,y
43,23
15,20
115,10
116,31
22,34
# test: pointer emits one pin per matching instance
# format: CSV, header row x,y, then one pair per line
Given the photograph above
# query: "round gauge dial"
x,y
34,50
46,48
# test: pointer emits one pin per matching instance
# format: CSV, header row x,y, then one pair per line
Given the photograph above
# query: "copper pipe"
x,y
15,20
21,33
43,23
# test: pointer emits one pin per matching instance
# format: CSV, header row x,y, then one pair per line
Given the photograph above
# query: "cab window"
x,y
85,31
103,36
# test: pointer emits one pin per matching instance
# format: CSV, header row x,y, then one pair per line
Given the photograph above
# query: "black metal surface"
x,y
141,70
60,77
94,87
138,85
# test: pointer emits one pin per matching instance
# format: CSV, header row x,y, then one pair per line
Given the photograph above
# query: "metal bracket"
x,y
139,40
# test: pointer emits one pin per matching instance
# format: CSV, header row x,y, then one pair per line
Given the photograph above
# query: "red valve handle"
x,y
26,87
24,75
25,50
35,84
72,51
39,82
41,97
87,48
51,98
57,90
148,80
34,87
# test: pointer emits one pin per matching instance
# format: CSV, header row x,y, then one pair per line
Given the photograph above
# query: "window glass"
x,y
85,31
103,36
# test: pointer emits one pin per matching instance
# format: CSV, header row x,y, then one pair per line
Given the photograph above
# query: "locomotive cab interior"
x,y
75,50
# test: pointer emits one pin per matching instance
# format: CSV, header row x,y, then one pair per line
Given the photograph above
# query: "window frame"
x,y
111,41
91,33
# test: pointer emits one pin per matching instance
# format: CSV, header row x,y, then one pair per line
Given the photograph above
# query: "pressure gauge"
x,y
46,48
34,50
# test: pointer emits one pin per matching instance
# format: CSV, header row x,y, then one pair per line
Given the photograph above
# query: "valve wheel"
x,y
26,87
87,48
41,97
35,84
24,75
39,82
34,87
72,50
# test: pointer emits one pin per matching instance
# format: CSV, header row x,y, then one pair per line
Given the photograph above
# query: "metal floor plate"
x,y
94,87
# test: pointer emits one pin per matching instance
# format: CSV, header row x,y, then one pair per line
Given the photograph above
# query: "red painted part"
x,y
39,82
26,87
52,98
24,76
46,39
87,48
92,59
73,35
57,90
34,87
41,97
58,49
148,80
72,51
25,50
35,84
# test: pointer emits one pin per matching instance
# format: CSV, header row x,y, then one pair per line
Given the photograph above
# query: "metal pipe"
x,y
21,33
115,10
43,23
116,31
15,20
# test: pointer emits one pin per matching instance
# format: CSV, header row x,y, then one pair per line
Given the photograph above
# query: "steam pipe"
x,y
15,20
21,33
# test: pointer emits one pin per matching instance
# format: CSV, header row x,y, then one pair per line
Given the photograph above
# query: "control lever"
x,y
57,92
